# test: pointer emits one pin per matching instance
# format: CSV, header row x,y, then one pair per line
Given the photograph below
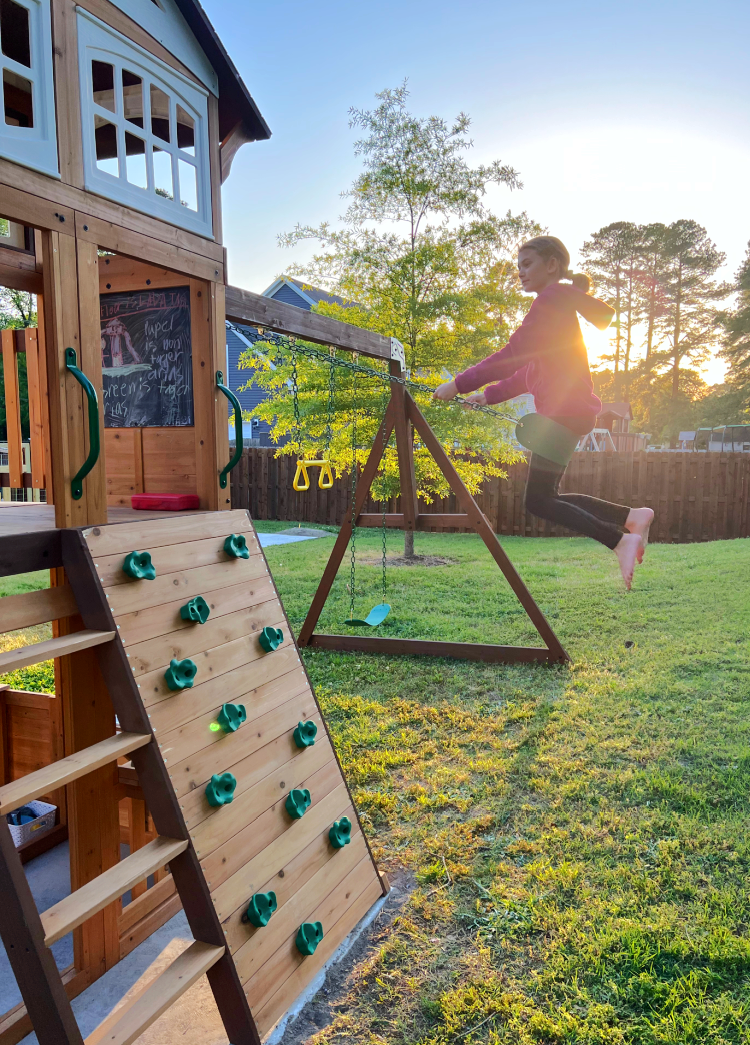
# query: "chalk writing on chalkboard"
x,y
147,361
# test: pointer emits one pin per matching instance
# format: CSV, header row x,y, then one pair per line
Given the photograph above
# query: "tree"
x,y
610,256
688,319
649,288
735,324
419,252
418,257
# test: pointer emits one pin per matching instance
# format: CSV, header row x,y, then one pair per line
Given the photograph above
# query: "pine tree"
x,y
736,340
609,256
688,320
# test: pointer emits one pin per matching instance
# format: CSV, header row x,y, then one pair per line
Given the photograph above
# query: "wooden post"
x,y
208,334
12,409
71,319
36,412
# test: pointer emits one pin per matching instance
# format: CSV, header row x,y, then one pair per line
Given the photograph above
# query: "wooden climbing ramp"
x,y
217,714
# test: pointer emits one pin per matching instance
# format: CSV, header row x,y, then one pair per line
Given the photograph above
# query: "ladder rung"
x,y
93,897
125,1027
47,779
41,651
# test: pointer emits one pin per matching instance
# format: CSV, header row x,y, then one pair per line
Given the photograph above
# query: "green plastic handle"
x,y
76,483
224,473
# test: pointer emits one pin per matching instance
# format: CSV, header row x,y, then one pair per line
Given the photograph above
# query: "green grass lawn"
x,y
578,834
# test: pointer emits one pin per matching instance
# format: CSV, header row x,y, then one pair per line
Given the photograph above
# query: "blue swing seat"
x,y
374,617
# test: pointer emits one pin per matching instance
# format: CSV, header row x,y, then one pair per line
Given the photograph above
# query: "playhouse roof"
x,y
236,104
617,410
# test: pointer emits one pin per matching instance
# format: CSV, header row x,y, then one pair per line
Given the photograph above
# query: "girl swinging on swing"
x,y
547,357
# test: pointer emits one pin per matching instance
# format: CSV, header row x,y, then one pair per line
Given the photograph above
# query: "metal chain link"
x,y
331,387
295,399
314,353
354,498
384,504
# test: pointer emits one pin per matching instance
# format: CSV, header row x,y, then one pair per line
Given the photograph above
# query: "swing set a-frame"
x,y
403,417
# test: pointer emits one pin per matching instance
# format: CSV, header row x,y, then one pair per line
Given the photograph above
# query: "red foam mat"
x,y
166,502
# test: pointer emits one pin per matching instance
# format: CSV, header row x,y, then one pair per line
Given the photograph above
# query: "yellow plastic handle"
x,y
325,479
301,476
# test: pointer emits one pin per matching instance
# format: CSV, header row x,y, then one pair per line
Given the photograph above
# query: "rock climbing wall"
x,y
234,715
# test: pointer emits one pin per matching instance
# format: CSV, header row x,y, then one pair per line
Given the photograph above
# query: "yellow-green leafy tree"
x,y
418,256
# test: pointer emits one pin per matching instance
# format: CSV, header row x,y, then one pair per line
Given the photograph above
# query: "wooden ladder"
x,y
27,935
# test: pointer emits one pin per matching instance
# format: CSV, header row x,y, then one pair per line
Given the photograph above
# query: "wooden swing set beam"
x,y
243,306
403,414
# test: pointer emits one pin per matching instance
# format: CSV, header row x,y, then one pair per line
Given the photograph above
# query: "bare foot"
x,y
627,552
639,521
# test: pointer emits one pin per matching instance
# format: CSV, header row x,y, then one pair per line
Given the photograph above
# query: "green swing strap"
x,y
547,438
378,614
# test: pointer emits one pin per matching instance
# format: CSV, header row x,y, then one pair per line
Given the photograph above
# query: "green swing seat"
x,y
547,438
374,617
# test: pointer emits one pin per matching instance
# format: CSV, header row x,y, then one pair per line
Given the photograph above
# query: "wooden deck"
x,y
29,517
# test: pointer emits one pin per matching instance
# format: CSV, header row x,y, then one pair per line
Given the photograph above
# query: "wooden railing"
x,y
696,496
26,342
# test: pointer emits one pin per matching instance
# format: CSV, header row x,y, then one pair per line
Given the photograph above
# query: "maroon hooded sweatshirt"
x,y
547,357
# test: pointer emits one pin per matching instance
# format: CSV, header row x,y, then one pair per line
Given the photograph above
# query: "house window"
x,y
145,129
27,129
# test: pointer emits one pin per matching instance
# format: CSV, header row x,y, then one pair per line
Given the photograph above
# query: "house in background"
x,y
240,338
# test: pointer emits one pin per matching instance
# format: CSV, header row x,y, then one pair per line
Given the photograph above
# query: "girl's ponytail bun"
x,y
580,280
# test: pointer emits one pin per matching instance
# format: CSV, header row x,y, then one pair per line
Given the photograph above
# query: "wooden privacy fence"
x,y
696,496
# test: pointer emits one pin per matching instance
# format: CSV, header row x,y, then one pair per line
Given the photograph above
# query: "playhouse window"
x,y
145,131
27,126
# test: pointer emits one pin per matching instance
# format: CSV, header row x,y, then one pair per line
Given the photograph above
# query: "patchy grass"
x,y
578,834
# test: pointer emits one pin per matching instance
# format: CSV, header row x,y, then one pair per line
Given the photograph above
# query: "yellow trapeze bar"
x,y
301,481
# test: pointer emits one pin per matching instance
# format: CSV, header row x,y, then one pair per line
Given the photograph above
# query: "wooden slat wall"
x,y
150,460
696,496
251,845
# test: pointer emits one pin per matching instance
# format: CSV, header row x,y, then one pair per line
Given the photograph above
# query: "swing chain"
x,y
384,506
295,399
357,368
331,386
354,497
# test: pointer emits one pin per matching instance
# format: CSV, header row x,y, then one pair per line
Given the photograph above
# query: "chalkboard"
x,y
147,360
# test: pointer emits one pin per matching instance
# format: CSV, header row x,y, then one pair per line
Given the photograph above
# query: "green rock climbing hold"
x,y
236,546
305,733
220,789
196,610
309,935
181,674
340,833
138,565
271,638
260,909
297,802
231,717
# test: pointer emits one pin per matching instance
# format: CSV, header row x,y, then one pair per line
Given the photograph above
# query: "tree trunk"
x,y
408,544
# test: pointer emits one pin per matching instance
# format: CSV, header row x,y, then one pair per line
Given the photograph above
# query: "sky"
x,y
636,111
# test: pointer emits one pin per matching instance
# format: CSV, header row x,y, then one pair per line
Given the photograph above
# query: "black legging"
x,y
603,521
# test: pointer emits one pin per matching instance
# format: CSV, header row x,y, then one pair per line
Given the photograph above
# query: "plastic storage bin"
x,y
45,821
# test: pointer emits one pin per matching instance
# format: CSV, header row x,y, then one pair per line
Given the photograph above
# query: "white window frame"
x,y
34,147
98,42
